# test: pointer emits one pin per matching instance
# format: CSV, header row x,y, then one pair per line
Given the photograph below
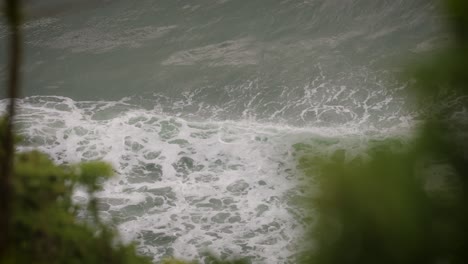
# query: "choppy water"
x,y
197,105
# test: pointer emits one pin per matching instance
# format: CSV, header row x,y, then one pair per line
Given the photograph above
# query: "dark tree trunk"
x,y
12,10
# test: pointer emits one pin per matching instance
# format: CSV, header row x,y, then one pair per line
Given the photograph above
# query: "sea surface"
x,y
198,104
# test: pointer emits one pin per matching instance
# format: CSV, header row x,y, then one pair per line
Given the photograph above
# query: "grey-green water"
x,y
237,58
197,105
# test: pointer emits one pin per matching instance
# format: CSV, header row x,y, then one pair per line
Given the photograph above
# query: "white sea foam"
x,y
184,186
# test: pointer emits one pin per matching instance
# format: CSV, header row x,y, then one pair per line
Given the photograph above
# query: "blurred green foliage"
x,y
404,205
48,227
207,258
44,219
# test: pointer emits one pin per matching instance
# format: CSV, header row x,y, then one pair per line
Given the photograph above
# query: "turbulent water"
x,y
197,105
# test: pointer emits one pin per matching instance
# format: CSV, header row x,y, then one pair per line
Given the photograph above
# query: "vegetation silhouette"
x,y
39,223
403,202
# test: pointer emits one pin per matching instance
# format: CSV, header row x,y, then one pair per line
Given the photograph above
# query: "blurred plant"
x,y
406,205
38,220
207,258
44,220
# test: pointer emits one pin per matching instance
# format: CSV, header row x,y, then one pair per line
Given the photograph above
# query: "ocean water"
x,y
198,104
